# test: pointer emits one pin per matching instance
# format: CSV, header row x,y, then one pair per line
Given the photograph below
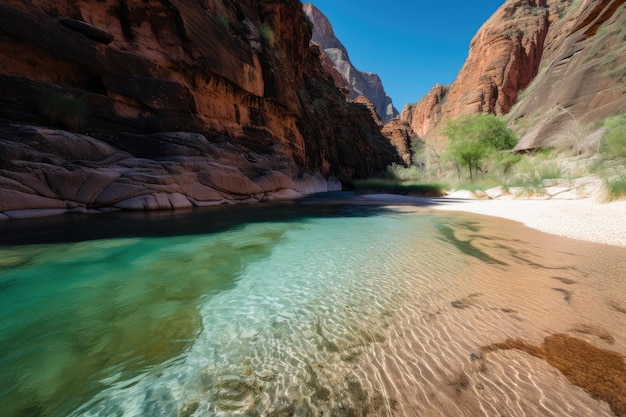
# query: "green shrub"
x,y
418,153
472,139
613,145
63,109
611,166
375,186
616,187
266,32
530,171
406,174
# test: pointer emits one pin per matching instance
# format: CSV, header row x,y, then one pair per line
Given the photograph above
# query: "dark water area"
x,y
81,227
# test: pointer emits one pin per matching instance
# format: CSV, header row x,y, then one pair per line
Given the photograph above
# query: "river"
x,y
305,308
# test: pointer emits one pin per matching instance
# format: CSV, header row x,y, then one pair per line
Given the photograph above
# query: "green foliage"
x,y
63,109
406,174
418,153
613,144
222,21
266,32
616,185
612,164
532,170
473,139
375,186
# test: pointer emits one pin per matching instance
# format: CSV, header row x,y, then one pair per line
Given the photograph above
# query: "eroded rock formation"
x,y
572,52
141,104
337,62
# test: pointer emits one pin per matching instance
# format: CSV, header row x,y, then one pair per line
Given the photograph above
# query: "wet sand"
x,y
538,330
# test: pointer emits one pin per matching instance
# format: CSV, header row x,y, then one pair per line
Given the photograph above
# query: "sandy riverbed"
x,y
530,326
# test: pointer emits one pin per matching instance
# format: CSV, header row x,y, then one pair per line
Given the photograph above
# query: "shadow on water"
x,y
92,300
197,221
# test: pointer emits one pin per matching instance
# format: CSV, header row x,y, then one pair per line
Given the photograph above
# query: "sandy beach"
x,y
583,219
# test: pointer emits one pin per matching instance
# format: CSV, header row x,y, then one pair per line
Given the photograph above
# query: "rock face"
x,y
555,44
400,135
582,78
141,104
345,75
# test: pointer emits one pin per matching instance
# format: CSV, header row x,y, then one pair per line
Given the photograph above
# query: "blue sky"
x,y
410,44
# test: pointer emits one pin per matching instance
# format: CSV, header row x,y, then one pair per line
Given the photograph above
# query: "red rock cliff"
x,y
337,62
582,78
252,111
503,58
572,53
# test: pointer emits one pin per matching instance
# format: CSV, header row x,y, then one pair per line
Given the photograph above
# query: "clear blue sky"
x,y
410,44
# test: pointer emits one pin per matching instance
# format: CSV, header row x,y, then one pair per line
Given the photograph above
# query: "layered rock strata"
x,y
142,104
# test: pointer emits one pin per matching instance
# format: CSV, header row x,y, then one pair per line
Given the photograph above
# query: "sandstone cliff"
x,y
338,62
582,78
559,46
142,104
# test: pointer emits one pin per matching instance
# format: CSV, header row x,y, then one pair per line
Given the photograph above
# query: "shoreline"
x,y
582,219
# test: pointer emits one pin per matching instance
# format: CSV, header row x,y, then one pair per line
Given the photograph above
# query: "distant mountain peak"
x,y
345,75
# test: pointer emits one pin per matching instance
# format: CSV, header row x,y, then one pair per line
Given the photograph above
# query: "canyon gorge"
x,y
166,104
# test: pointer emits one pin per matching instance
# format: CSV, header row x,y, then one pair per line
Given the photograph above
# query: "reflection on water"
x,y
329,310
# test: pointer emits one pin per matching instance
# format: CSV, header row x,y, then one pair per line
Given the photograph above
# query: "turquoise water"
x,y
283,311
236,321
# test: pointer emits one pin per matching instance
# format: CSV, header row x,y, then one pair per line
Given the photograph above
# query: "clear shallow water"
x,y
286,315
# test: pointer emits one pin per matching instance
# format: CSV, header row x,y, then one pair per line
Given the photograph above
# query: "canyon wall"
x,y
566,57
156,104
345,75
581,79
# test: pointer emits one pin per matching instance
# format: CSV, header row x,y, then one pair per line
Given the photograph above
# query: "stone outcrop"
x,y
397,131
337,62
567,56
46,171
142,104
426,115
400,135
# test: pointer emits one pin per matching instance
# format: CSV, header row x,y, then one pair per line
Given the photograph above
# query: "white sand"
x,y
579,219
584,219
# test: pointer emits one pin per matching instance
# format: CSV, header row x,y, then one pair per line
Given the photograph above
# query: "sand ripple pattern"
x,y
386,316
